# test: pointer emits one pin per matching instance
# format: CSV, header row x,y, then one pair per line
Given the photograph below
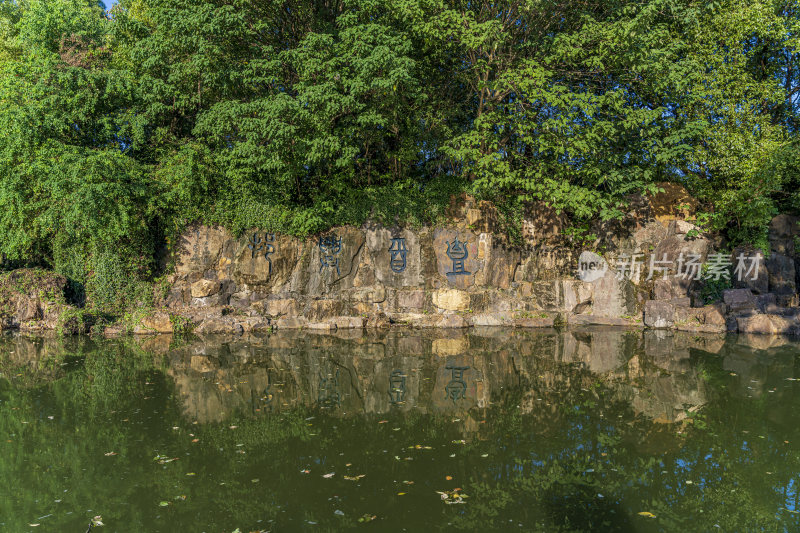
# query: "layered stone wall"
x,y
459,276
637,272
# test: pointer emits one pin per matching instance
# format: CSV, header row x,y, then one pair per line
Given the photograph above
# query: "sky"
x,y
109,3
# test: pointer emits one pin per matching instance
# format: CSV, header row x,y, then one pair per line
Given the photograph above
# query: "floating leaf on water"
x,y
338,512
328,476
354,478
401,493
367,518
305,471
163,503
647,514
448,478
107,454
256,480
383,422
191,474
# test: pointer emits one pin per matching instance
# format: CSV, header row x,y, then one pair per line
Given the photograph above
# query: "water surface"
x,y
601,430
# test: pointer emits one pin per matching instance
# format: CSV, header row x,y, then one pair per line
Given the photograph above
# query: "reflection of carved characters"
x,y
456,388
397,386
398,251
257,244
264,400
329,248
328,395
458,253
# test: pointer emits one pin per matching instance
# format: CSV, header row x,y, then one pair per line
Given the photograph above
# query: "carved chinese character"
x,y
255,245
269,248
397,386
398,254
456,388
329,248
458,253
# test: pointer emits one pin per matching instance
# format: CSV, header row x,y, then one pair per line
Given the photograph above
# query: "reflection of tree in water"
x,y
563,448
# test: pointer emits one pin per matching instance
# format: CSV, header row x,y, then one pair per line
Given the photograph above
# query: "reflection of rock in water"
x,y
450,373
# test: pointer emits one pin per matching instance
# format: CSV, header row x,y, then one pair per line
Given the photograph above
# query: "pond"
x,y
405,430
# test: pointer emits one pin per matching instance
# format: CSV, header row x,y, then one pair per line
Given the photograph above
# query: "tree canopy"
x,y
120,127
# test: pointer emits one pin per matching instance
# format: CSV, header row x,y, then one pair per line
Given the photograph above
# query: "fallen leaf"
x,y
110,453
448,478
328,476
647,514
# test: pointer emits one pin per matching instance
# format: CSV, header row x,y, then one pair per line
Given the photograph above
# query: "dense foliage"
x,y
121,127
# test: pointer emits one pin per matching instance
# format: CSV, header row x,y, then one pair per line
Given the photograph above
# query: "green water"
x,y
401,431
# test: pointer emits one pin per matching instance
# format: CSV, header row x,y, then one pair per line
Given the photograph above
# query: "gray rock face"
x,y
659,314
613,297
739,299
781,274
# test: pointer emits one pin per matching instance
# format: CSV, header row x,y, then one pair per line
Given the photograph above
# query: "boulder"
x,y
413,299
659,314
782,274
613,297
707,319
752,273
451,299
739,300
672,202
156,322
204,288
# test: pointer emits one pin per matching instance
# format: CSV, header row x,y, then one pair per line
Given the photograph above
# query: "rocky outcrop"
x,y
464,275
654,269
33,299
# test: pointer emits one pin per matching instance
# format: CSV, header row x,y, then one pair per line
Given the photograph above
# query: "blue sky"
x,y
109,3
